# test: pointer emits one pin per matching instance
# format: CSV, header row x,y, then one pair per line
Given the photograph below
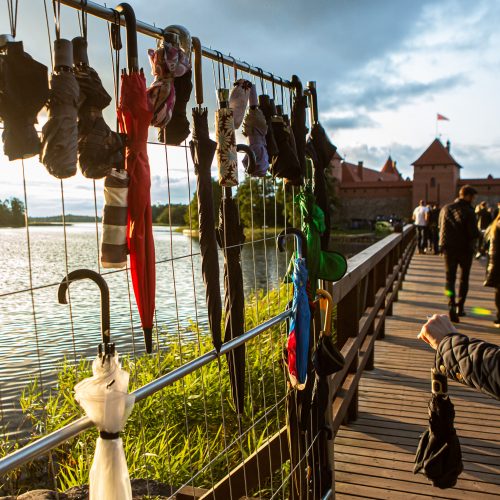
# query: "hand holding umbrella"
x,y
106,401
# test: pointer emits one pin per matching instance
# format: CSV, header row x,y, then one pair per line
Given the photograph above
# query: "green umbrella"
x,y
322,264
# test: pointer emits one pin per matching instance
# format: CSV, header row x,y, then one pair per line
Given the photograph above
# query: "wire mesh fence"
x,y
188,434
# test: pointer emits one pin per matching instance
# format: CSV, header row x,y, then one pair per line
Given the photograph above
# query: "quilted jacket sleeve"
x,y
470,361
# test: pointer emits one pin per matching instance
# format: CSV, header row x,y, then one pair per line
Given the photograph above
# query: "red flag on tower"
x,y
442,117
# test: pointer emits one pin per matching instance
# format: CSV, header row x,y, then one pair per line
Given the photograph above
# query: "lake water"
x,y
36,332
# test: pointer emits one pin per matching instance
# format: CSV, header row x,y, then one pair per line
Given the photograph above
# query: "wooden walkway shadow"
x,y
374,455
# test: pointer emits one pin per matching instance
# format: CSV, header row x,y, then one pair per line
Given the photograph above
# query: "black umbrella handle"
x,y
439,383
131,24
299,238
251,165
198,73
81,274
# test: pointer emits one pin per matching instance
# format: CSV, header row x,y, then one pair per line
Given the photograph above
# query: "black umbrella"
x,y
438,455
99,148
23,92
321,151
60,133
285,164
298,123
230,237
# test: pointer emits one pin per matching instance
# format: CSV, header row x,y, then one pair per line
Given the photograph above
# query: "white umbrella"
x,y
106,401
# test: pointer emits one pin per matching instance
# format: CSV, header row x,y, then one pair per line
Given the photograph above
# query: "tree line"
x,y
11,213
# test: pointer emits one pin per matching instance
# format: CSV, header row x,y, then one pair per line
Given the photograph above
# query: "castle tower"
x,y
435,175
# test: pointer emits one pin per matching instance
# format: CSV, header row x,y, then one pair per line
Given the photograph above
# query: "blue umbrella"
x,y
300,324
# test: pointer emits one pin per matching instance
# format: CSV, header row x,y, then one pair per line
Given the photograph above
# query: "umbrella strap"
x,y
109,435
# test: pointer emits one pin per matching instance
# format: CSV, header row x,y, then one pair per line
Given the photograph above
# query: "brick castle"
x,y
365,193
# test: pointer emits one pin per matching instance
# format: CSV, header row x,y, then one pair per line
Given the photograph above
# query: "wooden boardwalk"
x,y
374,455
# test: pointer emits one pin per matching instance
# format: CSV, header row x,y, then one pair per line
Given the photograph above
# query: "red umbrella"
x,y
135,115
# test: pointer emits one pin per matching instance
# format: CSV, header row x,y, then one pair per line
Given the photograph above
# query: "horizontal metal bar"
x,y
51,441
108,14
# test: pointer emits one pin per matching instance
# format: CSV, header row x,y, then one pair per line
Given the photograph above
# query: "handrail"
x,y
50,441
108,14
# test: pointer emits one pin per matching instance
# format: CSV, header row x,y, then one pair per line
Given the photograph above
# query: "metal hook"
x,y
300,241
81,274
261,76
235,68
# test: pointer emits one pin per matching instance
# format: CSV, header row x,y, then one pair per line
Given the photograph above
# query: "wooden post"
x,y
348,315
380,280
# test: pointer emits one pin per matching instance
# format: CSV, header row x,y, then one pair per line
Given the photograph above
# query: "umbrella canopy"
x,y
60,133
227,159
177,129
24,91
286,163
327,265
267,107
202,152
438,455
230,237
238,100
134,115
168,61
255,129
99,148
298,123
321,151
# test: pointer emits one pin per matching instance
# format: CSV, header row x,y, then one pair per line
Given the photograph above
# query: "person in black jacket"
x,y
434,229
484,219
493,269
470,361
457,233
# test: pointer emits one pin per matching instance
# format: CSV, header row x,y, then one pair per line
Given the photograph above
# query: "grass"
x,y
178,431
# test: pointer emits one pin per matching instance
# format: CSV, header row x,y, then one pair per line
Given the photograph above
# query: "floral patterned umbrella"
x,y
227,160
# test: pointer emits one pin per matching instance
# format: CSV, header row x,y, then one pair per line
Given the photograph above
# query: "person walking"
x,y
420,216
492,236
496,211
484,219
433,229
457,234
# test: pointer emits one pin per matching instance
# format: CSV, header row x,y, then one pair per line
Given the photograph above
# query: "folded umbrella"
x,y
99,148
267,107
238,100
285,163
255,129
322,264
227,159
202,152
230,236
298,123
60,133
439,456
321,151
24,91
106,401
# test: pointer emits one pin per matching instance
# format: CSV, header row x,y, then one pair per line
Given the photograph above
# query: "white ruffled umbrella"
x,y
106,401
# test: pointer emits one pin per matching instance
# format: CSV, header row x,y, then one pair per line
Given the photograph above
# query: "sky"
x,y
383,68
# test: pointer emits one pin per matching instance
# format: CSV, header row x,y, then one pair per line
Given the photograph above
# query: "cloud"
x,y
349,122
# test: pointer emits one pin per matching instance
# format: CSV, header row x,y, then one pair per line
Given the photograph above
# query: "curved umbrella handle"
x,y
130,23
198,73
297,85
313,97
327,327
299,238
81,274
243,148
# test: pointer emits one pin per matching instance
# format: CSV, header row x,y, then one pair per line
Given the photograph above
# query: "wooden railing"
x,y
364,298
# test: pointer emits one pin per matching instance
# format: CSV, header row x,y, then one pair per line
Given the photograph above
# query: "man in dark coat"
x,y
493,269
465,360
433,219
457,233
484,219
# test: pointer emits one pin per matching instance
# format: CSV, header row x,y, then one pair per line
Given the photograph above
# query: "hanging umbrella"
x,y
238,100
202,152
60,133
177,129
300,324
438,455
134,114
255,128
24,91
298,123
231,237
227,160
321,151
267,109
99,148
285,164
322,264
106,401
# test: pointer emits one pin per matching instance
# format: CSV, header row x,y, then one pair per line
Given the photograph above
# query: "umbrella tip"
x,y
148,339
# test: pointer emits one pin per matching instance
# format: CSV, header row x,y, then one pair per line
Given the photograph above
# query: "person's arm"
x,y
471,225
470,361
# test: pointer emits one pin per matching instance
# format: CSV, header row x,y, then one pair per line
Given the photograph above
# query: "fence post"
x,y
380,281
370,302
348,315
